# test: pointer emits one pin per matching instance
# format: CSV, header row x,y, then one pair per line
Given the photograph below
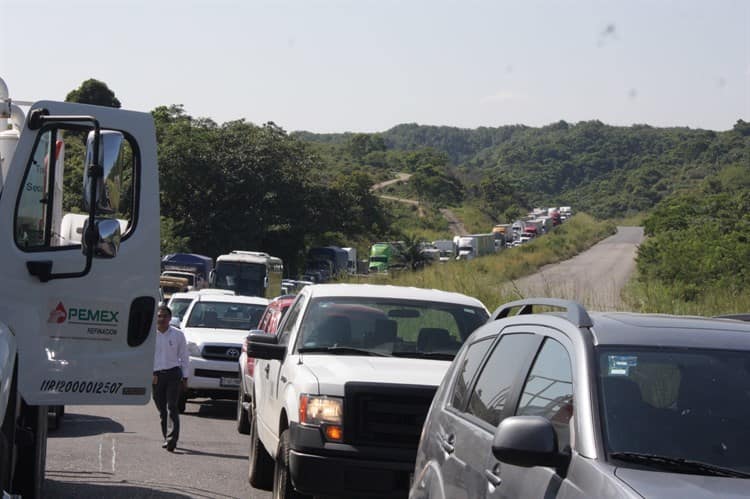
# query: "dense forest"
x,y
241,185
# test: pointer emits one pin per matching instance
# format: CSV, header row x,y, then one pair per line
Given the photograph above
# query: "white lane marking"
x,y
114,456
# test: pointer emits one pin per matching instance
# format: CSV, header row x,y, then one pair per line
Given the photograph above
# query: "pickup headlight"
x,y
193,349
326,412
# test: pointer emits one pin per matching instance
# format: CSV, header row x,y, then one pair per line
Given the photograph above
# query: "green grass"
x,y
664,298
475,220
484,278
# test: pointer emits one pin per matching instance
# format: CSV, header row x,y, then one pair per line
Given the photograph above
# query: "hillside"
x,y
606,170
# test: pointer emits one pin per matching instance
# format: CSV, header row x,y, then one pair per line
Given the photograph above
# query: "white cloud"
x,y
502,96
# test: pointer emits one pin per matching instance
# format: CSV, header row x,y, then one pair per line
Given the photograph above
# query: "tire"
x,y
282,479
243,419
32,455
260,464
8,437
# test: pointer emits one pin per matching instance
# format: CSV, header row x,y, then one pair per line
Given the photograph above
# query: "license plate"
x,y
229,382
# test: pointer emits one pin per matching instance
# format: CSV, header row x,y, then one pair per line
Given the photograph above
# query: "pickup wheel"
x,y
243,418
260,464
282,480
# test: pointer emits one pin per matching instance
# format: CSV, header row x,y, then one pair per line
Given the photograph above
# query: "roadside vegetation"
x,y
696,259
483,278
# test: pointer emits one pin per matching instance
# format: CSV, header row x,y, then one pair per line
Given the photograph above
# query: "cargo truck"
x,y
475,245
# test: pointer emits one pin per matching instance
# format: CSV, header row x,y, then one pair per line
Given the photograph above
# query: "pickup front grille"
x,y
222,352
388,415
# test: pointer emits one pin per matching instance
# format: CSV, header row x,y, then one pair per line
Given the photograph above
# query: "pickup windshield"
x,y
677,407
390,327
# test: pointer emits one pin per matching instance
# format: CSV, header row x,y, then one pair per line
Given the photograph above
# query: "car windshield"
x,y
223,315
689,404
399,327
178,306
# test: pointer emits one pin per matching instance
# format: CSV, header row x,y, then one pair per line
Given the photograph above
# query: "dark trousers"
x,y
166,394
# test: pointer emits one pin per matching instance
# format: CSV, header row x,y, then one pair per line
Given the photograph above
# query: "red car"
x,y
269,323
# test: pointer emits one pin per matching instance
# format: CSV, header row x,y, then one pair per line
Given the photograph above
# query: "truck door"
x,y
81,302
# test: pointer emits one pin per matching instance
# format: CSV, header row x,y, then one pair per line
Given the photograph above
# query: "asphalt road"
x,y
594,278
115,452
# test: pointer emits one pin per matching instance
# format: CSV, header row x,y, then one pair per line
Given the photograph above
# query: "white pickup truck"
x,y
341,392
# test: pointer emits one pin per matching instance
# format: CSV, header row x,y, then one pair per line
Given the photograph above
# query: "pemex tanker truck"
x,y
77,291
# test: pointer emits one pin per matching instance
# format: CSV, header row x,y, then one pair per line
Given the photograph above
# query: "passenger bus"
x,y
249,273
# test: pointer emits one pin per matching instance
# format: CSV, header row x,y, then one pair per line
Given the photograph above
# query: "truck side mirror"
x,y
105,238
107,189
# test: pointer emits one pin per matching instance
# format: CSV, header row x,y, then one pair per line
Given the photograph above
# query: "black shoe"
x,y
171,446
165,445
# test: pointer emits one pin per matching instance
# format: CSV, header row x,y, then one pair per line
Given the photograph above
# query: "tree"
x,y
94,92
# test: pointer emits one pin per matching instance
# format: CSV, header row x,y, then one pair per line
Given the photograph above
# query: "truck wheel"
x,y
282,479
260,464
32,451
8,437
243,419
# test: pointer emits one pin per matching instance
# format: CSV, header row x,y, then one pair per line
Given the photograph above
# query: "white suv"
x,y
215,327
342,390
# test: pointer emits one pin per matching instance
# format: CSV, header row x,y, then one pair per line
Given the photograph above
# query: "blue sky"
x,y
362,65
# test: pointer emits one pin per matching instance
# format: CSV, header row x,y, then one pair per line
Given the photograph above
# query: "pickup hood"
x,y
659,484
204,335
332,371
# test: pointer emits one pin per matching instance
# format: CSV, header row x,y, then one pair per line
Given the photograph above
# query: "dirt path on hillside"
x,y
454,224
400,177
594,278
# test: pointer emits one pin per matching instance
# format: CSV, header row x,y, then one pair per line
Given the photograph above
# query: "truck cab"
x,y
75,313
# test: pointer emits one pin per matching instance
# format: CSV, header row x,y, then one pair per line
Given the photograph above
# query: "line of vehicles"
x,y
354,390
256,273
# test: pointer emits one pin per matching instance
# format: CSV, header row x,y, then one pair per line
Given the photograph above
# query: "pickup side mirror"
x,y
265,346
527,441
260,336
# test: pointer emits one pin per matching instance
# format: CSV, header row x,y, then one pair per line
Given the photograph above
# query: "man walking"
x,y
170,375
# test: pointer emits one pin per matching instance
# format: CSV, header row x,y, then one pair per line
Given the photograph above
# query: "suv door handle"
x,y
446,442
491,476
268,368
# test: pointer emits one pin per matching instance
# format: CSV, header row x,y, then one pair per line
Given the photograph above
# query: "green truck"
x,y
384,256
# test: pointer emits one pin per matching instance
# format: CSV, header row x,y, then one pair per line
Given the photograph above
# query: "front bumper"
x,y
322,468
213,376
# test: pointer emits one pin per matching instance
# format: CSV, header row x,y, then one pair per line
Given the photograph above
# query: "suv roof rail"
x,y
574,311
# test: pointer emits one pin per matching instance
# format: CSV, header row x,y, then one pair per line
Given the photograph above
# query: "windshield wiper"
x,y
678,464
342,351
426,355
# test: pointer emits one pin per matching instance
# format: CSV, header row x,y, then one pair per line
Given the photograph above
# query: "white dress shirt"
x,y
171,351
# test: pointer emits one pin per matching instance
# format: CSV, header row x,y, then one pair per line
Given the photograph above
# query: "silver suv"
x,y
574,404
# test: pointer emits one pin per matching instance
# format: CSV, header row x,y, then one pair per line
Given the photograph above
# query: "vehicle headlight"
x,y
193,349
326,412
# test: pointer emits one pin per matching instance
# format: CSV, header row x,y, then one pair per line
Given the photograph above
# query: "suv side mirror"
x,y
527,441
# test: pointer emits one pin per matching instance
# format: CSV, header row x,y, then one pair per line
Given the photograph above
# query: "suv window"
x,y
468,367
498,376
548,390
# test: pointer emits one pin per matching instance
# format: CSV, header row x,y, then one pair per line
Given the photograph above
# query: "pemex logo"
x,y
58,315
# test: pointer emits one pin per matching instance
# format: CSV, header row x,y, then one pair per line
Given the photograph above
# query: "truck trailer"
x,y
475,245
